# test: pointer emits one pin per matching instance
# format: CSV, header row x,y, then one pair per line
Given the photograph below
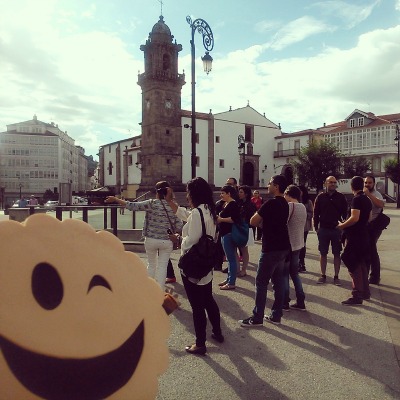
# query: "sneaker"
x,y
302,268
336,281
170,280
223,283
352,301
322,279
270,318
249,322
286,307
297,306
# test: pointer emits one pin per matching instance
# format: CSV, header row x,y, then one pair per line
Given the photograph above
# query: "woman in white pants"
x,y
158,220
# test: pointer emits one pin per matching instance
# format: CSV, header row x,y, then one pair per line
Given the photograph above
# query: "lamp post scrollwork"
x,y
204,29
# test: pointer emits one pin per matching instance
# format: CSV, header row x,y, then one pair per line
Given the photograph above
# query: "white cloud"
x,y
351,14
298,30
266,26
304,92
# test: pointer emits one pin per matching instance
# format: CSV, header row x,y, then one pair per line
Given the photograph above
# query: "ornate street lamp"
x,y
397,139
204,29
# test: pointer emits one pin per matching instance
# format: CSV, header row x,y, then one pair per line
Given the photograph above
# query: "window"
x,y
361,121
130,160
166,62
197,161
109,148
222,163
352,123
167,132
216,139
296,146
197,138
168,161
249,134
110,168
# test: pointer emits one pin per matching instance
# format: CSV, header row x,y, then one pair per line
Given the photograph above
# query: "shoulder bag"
x,y
380,223
199,260
172,237
240,233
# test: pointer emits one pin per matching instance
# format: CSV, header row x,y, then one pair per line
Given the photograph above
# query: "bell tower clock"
x,y
161,142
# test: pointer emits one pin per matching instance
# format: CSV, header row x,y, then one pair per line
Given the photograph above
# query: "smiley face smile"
x,y
78,379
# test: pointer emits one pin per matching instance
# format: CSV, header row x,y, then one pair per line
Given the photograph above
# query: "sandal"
x,y
228,287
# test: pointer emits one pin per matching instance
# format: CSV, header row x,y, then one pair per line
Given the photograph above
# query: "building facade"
x,y
361,134
36,156
228,144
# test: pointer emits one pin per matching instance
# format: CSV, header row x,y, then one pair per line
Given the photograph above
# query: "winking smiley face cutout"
x,y
79,317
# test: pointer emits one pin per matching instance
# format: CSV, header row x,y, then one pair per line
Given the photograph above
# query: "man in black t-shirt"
x,y
275,248
329,207
356,251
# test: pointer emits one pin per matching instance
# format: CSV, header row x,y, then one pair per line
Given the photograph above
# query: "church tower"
x,y
161,141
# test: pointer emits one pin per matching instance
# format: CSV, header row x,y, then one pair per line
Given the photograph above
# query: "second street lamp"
x,y
204,29
397,139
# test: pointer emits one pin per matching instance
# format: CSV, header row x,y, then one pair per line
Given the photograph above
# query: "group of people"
x,y
284,222
335,226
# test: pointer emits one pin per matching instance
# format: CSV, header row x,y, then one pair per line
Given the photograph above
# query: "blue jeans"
x,y
292,268
230,252
270,267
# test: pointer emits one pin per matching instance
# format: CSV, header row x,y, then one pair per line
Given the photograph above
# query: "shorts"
x,y
328,236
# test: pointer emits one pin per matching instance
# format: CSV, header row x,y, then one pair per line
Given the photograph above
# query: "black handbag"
x,y
380,223
199,260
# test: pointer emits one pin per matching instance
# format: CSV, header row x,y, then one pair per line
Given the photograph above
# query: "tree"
x,y
356,166
316,162
392,169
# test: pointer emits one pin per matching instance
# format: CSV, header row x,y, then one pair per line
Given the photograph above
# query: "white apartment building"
x,y
359,134
36,156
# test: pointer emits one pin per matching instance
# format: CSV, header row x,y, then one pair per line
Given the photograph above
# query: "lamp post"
x,y
397,139
204,29
242,150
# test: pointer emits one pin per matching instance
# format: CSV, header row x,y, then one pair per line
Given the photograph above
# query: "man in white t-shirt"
x,y
296,221
374,263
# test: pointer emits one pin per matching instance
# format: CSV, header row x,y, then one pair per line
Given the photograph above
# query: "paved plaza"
x,y
328,352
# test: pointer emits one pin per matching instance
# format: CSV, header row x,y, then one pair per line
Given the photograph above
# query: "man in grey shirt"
x,y
374,263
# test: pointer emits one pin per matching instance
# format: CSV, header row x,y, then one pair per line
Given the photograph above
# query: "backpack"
x,y
199,260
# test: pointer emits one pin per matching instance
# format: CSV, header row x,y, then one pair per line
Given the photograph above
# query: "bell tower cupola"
x,y
161,142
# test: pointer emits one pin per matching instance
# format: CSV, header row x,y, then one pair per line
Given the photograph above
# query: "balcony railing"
x,y
286,153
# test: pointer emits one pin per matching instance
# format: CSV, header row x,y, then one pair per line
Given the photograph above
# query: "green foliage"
x,y
356,166
316,162
392,169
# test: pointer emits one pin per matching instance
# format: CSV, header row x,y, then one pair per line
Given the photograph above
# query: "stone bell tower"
x,y
161,142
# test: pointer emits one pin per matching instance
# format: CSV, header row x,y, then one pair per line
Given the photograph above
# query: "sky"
x,y
301,62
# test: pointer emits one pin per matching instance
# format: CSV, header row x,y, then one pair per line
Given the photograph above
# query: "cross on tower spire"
x,y
161,3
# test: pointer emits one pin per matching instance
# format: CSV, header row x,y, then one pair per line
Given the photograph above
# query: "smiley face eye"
x,y
47,287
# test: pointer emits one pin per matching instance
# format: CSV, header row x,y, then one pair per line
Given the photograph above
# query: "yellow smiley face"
x,y
79,317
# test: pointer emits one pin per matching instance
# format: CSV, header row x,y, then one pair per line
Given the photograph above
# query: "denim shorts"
x,y
326,237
